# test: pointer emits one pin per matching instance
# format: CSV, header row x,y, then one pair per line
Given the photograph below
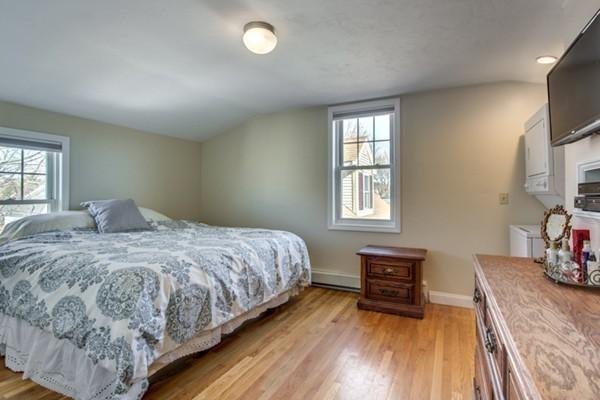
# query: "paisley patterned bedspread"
x,y
127,298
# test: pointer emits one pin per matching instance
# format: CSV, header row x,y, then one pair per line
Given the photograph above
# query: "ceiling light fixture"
x,y
546,60
259,37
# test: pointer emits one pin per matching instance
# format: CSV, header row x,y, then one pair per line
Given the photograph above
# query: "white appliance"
x,y
526,241
544,164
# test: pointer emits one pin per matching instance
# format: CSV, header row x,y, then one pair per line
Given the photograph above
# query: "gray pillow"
x,y
113,216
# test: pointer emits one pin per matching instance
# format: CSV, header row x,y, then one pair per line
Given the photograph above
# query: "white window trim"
x,y
333,221
61,170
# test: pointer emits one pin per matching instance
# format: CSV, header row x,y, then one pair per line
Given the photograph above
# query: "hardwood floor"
x,y
318,346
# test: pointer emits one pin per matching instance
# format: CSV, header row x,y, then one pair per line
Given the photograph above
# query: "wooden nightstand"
x,y
391,280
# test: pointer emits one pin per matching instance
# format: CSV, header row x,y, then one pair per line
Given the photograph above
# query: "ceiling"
x,y
179,67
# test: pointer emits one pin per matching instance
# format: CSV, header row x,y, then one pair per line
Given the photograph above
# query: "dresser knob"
x,y
388,270
477,392
476,296
490,341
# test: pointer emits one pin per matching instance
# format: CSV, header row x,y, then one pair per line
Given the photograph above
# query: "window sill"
x,y
365,227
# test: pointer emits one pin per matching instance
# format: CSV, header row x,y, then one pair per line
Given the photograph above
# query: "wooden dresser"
x,y
535,339
391,280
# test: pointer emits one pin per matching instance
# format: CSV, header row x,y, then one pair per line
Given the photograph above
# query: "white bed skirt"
x,y
62,367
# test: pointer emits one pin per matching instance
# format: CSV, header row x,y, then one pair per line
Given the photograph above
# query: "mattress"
x,y
92,315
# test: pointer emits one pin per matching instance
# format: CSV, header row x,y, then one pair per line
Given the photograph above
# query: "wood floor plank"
x,y
327,359
298,361
317,346
191,381
286,348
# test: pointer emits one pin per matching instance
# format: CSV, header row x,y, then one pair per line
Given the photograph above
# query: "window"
x,y
364,187
33,174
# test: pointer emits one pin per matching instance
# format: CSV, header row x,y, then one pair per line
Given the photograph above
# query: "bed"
x,y
92,315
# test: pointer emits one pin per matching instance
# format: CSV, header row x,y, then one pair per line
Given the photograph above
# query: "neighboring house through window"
x,y
34,176
364,173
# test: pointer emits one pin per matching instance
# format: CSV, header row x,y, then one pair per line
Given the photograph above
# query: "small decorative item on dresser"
x,y
561,267
391,280
579,236
593,269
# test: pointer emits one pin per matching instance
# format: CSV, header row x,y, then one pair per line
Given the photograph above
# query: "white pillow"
x,y
57,221
151,215
62,221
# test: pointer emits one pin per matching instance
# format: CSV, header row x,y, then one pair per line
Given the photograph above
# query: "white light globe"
x,y
546,60
259,37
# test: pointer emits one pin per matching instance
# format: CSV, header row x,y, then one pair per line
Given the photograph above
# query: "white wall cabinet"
x,y
544,164
535,138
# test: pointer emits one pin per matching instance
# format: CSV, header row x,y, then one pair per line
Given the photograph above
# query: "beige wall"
x,y
460,149
585,150
109,161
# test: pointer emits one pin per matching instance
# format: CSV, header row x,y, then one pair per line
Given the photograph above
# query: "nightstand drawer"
x,y
390,291
395,270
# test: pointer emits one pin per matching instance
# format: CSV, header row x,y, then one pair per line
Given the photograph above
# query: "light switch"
x,y
503,198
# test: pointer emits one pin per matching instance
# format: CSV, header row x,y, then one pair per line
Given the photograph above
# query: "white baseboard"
x,y
335,278
341,279
450,299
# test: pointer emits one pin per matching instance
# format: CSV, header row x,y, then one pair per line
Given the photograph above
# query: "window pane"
x,y
382,127
382,184
349,129
350,154
9,213
10,159
10,186
365,194
365,129
34,161
382,153
34,187
365,153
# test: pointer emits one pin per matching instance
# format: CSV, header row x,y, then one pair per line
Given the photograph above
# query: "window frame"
x,y
335,148
58,192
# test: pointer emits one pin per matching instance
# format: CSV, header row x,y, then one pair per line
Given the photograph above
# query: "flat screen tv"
x,y
574,88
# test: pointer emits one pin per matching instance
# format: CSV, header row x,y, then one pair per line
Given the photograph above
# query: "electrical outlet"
x,y
503,198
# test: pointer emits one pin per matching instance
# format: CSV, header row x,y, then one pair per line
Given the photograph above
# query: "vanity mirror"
x,y
556,226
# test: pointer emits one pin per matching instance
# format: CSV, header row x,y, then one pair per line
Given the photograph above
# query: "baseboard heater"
x,y
335,287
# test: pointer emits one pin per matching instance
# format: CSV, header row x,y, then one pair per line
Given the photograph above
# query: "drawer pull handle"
x,y
490,341
477,296
477,392
388,271
388,292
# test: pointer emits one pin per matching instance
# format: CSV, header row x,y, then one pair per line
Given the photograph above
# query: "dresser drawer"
x,y
390,291
481,381
479,299
495,349
512,389
380,267
485,378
